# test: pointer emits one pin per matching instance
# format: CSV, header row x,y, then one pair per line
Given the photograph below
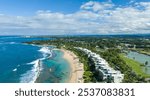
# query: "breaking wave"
x,y
32,75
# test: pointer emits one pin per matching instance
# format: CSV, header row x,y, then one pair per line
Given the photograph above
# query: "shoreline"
x,y
141,52
76,74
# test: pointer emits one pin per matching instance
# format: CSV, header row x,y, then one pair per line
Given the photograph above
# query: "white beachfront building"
x,y
103,67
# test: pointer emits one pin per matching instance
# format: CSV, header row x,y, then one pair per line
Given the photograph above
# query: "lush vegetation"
x,y
115,61
110,48
136,66
88,74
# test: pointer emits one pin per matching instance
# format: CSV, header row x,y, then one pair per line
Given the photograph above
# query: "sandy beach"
x,y
77,70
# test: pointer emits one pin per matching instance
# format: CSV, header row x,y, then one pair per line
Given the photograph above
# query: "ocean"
x,y
24,63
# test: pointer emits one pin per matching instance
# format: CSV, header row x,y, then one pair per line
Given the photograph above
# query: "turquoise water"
x,y
18,62
140,58
56,69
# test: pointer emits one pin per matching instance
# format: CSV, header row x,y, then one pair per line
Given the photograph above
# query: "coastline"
x,y
141,52
76,74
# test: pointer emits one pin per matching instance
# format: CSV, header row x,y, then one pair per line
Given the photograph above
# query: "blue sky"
x,y
74,16
29,7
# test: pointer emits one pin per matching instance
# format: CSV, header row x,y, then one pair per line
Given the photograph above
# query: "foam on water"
x,y
15,55
47,53
14,70
12,42
3,42
45,50
31,75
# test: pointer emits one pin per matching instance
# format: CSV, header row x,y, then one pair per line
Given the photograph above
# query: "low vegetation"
x,y
110,48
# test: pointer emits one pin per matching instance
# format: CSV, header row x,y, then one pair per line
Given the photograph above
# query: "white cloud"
x,y
96,6
92,18
132,1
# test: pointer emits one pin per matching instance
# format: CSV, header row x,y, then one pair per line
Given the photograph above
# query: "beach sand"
x,y
76,75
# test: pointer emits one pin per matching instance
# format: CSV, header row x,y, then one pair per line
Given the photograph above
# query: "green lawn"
x,y
136,66
145,52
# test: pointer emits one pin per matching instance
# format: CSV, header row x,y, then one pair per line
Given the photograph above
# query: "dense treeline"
x,y
88,74
108,47
113,58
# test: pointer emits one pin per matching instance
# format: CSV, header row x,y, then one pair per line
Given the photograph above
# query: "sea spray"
x,y
15,55
14,70
47,52
32,75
